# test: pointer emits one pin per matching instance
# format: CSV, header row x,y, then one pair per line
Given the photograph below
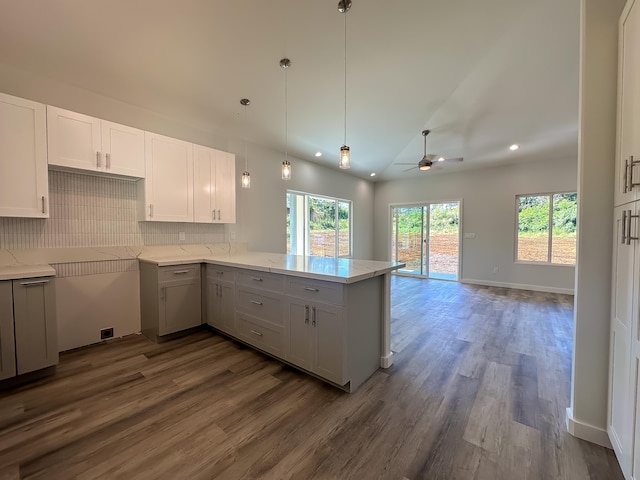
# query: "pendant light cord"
x,y
345,78
246,158
286,118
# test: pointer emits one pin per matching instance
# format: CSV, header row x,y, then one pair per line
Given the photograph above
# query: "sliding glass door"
x,y
427,238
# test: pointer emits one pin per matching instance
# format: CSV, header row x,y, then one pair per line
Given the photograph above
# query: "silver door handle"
x,y
632,163
256,333
623,220
256,279
43,204
629,217
180,272
256,302
219,272
306,314
313,312
625,177
151,210
162,293
213,214
34,282
108,157
219,217
97,159
311,289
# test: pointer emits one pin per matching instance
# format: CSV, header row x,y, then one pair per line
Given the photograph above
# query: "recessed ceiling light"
x,y
318,154
441,159
514,147
372,174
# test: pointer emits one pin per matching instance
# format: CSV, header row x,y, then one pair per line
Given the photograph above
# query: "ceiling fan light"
x,y
345,157
424,167
441,159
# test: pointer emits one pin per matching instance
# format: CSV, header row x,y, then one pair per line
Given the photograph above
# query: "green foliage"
x,y
533,214
444,218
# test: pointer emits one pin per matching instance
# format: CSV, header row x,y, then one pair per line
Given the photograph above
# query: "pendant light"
x,y
285,63
345,153
246,177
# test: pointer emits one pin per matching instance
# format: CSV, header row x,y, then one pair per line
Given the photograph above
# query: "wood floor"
x,y
478,390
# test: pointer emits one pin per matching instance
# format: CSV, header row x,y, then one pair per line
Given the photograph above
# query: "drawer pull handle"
x,y
256,333
306,314
35,282
313,313
311,289
97,159
256,279
108,157
219,272
180,272
256,302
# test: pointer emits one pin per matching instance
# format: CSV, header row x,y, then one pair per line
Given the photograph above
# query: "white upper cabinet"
x,y
627,186
214,186
24,187
86,143
166,193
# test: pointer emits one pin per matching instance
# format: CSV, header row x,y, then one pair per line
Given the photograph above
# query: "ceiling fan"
x,y
428,160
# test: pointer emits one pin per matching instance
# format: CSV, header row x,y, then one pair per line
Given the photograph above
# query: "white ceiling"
x,y
480,75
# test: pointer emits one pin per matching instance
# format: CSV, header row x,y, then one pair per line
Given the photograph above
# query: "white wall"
x,y
587,415
261,210
488,197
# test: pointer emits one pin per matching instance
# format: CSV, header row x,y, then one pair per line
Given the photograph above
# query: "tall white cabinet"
x,y
214,186
623,423
24,187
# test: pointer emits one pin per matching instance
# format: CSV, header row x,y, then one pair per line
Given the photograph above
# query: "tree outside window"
x,y
547,228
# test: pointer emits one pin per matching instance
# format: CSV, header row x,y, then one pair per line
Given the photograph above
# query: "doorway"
x,y
427,238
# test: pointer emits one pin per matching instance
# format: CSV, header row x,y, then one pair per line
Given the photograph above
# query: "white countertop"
x,y
12,272
342,270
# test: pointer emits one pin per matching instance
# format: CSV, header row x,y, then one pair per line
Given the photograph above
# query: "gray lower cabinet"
x,y
170,299
317,338
28,327
220,298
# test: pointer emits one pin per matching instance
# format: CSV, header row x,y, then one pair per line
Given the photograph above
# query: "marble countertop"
x,y
12,272
341,270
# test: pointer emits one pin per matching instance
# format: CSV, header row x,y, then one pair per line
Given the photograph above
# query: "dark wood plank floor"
x,y
478,390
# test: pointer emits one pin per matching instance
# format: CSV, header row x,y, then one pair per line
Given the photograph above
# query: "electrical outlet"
x,y
232,235
106,333
181,236
495,269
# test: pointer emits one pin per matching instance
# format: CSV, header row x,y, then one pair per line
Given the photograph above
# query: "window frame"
x,y
549,261
306,221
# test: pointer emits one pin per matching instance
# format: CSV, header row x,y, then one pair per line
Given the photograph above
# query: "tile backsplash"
x,y
92,211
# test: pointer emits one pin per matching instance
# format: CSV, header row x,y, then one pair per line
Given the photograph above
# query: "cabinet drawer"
x,y
262,280
220,272
179,272
264,305
317,290
261,334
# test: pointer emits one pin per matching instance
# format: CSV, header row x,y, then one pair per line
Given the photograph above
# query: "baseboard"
x,y
518,286
587,432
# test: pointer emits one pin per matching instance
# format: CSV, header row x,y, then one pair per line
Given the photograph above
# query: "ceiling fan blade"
x,y
412,163
455,159
409,168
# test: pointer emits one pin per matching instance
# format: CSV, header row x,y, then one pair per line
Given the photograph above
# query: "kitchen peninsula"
x,y
329,317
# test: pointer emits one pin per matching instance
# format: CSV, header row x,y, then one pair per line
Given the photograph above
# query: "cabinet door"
x,y
123,149
73,140
634,232
225,192
24,187
620,404
300,347
327,323
7,341
221,306
169,179
35,324
203,184
629,105
180,306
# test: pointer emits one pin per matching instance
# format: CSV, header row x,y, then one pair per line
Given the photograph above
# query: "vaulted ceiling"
x,y
480,75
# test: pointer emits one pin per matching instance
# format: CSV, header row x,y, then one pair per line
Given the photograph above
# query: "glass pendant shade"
x,y
345,157
246,180
286,170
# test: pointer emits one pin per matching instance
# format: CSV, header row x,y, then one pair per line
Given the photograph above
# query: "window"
x,y
318,226
547,228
